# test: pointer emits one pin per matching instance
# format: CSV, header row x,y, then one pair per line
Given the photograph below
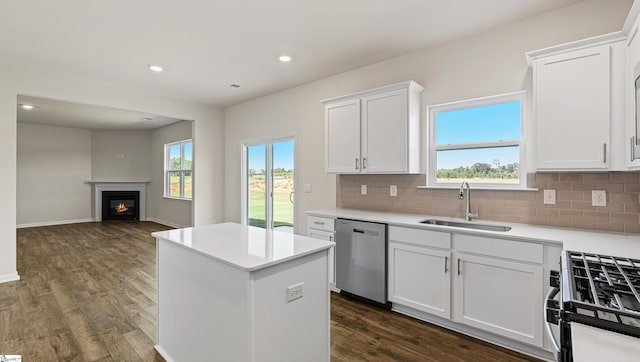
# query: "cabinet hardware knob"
x,y
356,163
446,262
604,152
364,163
459,266
318,222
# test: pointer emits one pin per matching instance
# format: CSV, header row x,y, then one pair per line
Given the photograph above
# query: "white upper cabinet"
x,y
632,87
375,131
579,104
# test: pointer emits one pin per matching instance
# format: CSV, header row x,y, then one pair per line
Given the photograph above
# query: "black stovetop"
x,y
602,291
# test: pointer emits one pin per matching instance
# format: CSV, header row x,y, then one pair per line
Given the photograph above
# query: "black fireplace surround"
x,y
120,205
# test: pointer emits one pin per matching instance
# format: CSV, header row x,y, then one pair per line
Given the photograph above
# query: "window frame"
x,y
182,170
433,148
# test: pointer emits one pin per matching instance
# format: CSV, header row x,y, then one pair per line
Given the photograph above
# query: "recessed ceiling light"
x,y
285,58
156,68
26,106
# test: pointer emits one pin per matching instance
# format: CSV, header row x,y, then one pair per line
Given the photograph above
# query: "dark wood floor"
x,y
87,293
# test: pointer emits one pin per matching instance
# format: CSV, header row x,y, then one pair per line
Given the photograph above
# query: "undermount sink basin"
x,y
466,225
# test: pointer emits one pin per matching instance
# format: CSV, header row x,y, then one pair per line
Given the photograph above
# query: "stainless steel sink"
x,y
467,225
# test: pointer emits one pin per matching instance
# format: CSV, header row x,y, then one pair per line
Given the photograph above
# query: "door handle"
x,y
357,163
291,197
358,231
446,262
604,153
364,163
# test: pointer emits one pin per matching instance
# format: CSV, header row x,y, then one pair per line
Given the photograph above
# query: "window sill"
x,y
175,198
484,188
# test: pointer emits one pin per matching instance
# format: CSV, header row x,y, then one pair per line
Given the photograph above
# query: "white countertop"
x,y
617,244
244,247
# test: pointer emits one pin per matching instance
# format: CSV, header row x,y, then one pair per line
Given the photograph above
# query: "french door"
x,y
269,184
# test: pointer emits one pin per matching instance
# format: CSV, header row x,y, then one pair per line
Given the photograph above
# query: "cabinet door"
x,y
501,297
572,95
419,278
384,132
633,97
329,236
342,137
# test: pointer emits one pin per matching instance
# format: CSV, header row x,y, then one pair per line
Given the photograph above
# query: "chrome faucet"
x,y
468,216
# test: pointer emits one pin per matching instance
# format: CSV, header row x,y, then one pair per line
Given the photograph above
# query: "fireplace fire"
x,y
121,208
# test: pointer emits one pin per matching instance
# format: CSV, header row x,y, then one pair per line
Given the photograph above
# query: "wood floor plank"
x,y
87,293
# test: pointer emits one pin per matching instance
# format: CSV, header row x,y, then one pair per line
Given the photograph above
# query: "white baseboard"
x,y
167,223
9,277
49,223
159,349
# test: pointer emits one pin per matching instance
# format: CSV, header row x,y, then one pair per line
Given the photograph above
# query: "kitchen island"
x,y
230,292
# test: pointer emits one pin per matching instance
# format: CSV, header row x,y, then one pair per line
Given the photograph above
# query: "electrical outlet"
x,y
550,197
307,188
295,292
393,190
599,198
363,190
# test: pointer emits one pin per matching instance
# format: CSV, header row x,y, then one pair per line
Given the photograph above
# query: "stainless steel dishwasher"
x,y
361,259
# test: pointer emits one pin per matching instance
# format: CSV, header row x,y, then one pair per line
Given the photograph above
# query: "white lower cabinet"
x,y
419,267
419,278
323,228
498,286
502,297
491,284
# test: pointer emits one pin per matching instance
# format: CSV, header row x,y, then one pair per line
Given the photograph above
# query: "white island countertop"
x,y
244,247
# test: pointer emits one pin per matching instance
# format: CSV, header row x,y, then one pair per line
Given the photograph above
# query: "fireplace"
x,y
120,205
102,186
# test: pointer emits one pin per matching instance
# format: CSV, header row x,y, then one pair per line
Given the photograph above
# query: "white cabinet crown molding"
x,y
575,45
412,85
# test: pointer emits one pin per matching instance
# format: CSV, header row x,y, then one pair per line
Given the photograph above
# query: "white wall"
x,y
484,64
53,166
120,155
167,211
208,133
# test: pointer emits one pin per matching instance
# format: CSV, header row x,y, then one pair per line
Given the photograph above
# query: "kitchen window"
x,y
178,170
479,141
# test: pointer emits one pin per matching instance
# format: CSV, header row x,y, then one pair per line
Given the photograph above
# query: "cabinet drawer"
x,y
419,237
501,248
320,223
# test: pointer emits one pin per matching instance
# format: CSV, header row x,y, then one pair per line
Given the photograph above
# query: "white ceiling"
x,y
67,114
206,45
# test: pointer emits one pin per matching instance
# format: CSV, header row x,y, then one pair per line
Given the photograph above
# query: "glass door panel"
x,y
270,185
283,185
257,185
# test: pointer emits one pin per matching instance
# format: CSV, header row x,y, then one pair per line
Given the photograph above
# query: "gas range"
x,y
598,291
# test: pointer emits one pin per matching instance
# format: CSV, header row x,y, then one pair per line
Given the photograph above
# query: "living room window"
x,y
178,169
478,141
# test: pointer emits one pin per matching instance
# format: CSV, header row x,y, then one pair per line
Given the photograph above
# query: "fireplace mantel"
x,y
112,185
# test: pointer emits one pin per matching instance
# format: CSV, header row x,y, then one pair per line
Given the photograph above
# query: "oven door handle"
x,y
550,295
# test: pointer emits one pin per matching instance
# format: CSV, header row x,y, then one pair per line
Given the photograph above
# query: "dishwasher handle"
x,y
366,232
